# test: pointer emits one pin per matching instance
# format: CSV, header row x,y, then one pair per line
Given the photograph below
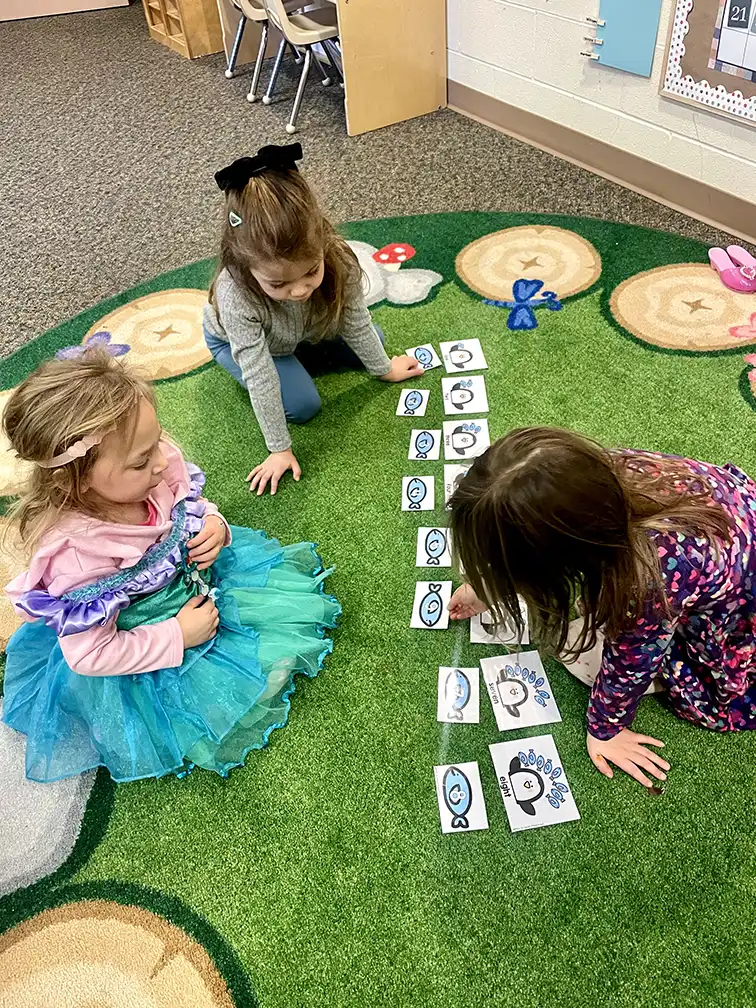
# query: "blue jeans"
x,y
301,399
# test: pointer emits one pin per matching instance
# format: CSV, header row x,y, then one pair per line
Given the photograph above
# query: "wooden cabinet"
x,y
191,27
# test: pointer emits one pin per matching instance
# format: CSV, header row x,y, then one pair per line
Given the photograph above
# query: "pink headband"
x,y
77,450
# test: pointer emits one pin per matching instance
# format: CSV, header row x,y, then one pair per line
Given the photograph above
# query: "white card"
x,y
452,475
430,610
520,692
425,355
418,493
413,402
458,695
460,798
532,782
465,439
433,548
464,395
463,355
425,444
482,630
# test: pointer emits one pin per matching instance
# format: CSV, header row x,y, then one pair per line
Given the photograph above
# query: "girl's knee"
x,y
305,407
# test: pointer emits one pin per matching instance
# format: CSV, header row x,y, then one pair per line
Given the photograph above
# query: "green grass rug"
x,y
317,875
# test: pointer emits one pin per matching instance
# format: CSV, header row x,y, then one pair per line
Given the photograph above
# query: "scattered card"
x,y
452,475
413,402
431,608
465,395
482,630
532,783
463,355
418,493
425,444
460,798
433,548
458,695
425,355
520,692
465,439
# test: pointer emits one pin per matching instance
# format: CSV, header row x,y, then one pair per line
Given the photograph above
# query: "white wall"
x,y
527,53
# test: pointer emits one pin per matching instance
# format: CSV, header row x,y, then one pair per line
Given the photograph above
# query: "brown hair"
x,y
551,515
56,406
281,219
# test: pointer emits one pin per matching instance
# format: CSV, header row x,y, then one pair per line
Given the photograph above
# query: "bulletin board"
x,y
711,57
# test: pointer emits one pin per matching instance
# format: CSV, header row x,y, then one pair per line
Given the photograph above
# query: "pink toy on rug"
x,y
736,268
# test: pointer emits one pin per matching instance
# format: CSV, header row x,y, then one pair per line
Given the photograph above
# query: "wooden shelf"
x,y
189,27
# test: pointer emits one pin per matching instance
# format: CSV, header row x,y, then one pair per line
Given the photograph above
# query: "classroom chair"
x,y
254,10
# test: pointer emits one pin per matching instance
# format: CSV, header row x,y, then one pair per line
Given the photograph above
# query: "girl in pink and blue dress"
x,y
159,637
659,550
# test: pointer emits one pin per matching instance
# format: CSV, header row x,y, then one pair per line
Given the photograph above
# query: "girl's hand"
x,y
402,368
464,603
198,620
627,751
207,544
271,471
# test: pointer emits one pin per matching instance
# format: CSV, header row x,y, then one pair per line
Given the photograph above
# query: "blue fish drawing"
x,y
457,796
431,606
457,693
424,443
416,493
435,547
412,401
423,356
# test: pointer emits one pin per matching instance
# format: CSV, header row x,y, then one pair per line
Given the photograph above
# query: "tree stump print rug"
x,y
317,875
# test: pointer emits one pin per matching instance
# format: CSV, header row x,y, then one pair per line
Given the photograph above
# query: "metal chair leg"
x,y
322,69
231,67
333,58
291,125
267,97
298,57
252,96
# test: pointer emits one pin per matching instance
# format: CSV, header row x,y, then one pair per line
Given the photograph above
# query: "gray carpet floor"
x,y
109,142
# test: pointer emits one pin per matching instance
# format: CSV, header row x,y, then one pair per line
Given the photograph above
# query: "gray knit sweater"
x,y
259,329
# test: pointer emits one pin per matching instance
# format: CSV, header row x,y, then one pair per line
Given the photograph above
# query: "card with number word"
x,y
520,692
532,783
418,493
458,695
425,355
413,402
425,444
460,798
465,439
433,547
464,395
430,610
452,475
482,630
463,355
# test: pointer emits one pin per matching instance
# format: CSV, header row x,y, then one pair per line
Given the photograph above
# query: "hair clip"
x,y
234,219
77,450
239,172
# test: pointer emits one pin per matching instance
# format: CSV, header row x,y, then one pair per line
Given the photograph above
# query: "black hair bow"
x,y
239,172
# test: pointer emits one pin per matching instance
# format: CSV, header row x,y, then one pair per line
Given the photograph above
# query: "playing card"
x,y
465,439
482,630
452,475
460,798
431,607
532,782
458,695
413,402
418,493
425,355
520,692
433,548
464,395
425,444
463,355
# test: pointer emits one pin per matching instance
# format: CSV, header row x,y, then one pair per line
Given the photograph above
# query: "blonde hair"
x,y
60,403
281,219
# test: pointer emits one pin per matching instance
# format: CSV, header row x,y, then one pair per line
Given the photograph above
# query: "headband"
x,y
77,450
272,157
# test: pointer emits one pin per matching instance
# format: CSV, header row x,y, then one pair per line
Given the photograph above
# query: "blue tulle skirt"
x,y
223,700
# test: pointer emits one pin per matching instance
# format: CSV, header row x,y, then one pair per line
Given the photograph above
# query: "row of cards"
x,y
458,355
461,395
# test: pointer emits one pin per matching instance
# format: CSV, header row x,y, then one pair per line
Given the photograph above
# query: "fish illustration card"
x,y
460,798
483,631
431,608
458,695
464,395
418,493
413,402
533,785
452,475
520,692
425,355
425,444
433,547
463,355
465,439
